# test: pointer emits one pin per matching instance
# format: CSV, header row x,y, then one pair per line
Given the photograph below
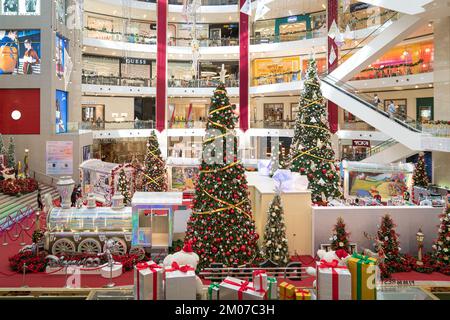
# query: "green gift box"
x,y
213,291
272,289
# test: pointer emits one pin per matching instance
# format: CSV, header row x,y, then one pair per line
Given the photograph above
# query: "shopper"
x,y
39,200
391,109
376,100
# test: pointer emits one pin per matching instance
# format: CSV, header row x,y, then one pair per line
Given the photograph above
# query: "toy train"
x,y
146,226
85,230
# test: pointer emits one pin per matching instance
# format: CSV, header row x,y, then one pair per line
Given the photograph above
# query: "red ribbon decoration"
x,y
243,286
259,273
153,267
333,265
188,247
176,267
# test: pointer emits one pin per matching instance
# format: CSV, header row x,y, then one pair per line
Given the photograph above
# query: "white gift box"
x,y
181,283
260,280
264,167
237,289
148,281
333,283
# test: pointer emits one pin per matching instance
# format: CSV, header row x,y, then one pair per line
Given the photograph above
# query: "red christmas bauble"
x,y
302,169
243,248
324,171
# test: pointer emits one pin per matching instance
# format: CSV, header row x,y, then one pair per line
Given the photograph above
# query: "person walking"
x,y
39,200
376,100
391,109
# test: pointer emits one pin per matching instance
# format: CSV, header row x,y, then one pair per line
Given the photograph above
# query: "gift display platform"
x,y
9,279
362,220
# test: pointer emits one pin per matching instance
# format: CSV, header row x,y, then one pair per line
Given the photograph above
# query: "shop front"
x,y
123,150
276,70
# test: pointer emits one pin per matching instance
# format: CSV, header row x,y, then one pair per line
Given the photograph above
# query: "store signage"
x,y
142,62
292,19
359,6
361,143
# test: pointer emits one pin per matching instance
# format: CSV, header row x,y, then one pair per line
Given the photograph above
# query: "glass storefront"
x,y
276,70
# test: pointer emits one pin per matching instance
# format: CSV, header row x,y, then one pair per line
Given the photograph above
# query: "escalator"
x,y
399,127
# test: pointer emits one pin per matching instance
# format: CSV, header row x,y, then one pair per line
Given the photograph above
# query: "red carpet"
x,y
10,279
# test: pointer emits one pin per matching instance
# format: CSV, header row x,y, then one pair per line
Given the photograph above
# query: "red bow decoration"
x,y
243,286
176,267
188,247
333,264
145,265
341,253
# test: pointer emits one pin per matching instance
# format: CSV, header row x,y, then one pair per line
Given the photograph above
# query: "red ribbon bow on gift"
x,y
145,265
153,267
176,267
243,286
333,264
304,293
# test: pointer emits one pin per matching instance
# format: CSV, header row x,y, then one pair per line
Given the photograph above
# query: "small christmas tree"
x,y
441,247
275,159
388,245
123,187
11,157
154,172
339,240
275,243
221,227
420,177
311,152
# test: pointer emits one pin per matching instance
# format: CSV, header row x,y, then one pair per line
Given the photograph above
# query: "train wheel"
x,y
139,252
119,248
90,245
62,246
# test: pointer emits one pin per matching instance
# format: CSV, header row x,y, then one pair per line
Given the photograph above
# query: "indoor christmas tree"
x,y
154,172
420,177
275,163
311,152
339,240
275,242
221,228
123,187
11,156
388,243
441,247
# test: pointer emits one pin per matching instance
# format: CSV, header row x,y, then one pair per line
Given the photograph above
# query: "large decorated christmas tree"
x,y
339,240
275,242
420,177
441,247
154,172
311,152
221,228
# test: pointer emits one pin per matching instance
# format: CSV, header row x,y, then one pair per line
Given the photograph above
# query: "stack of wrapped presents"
x,y
351,279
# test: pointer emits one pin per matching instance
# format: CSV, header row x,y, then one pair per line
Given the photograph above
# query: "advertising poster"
x,y
59,157
20,7
182,178
61,111
60,49
20,52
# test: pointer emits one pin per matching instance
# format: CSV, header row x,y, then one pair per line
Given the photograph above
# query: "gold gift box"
x,y
363,271
287,291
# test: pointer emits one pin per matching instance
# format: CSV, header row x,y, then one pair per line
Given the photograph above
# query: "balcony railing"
x,y
110,125
272,124
204,2
117,81
201,83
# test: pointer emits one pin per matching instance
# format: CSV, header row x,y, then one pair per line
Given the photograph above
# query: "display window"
x,y
120,150
276,70
20,7
401,61
93,116
425,109
189,115
320,62
293,28
263,31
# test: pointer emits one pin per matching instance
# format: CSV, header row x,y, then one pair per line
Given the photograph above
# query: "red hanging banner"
x,y
333,50
161,65
243,69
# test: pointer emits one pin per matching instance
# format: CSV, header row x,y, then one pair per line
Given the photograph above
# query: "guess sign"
x,y
143,62
361,143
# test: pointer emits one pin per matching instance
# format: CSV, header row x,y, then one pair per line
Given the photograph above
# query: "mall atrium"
x,y
336,114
